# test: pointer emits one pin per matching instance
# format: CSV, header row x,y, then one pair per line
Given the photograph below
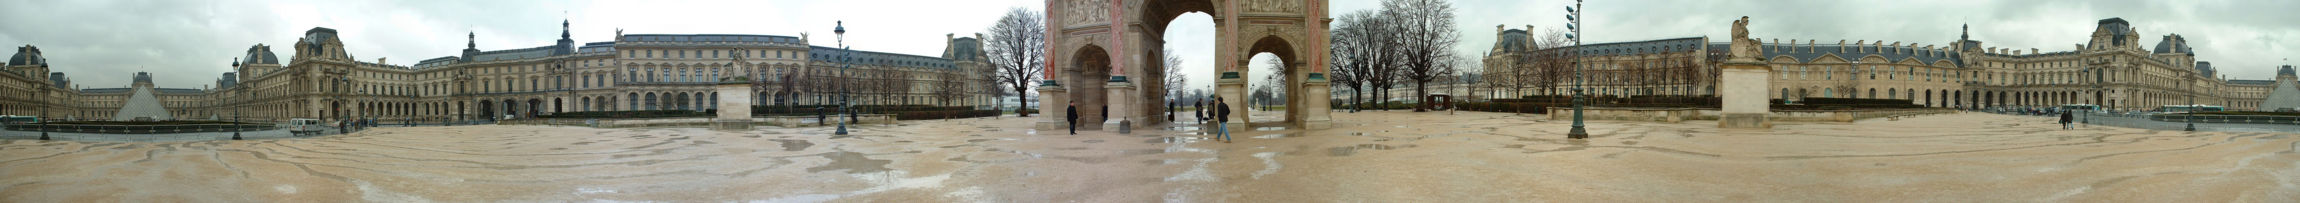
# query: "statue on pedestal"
x,y
1744,49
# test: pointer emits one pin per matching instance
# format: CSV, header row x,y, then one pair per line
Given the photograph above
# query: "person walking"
x,y
1073,115
2066,121
1222,118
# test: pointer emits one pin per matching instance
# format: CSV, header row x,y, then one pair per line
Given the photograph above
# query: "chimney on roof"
x,y
379,60
2035,51
1858,43
1840,45
1809,46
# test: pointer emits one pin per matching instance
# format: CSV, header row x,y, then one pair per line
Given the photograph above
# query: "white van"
x,y
304,126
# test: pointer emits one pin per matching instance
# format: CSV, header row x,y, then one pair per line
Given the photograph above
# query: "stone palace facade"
x,y
632,72
2111,69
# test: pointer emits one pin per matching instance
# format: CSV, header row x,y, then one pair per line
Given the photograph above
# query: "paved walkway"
x,y
1368,157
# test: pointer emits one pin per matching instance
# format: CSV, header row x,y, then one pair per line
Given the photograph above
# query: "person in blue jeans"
x,y
1222,117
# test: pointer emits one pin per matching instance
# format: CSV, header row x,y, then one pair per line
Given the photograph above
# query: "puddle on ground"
x,y
1174,140
852,163
794,145
1133,152
1353,150
1269,128
1092,141
1276,136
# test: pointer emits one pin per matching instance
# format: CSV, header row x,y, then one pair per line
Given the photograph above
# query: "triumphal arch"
x,y
1105,55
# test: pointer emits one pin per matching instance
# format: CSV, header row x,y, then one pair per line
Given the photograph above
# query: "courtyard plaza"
x,y
1376,156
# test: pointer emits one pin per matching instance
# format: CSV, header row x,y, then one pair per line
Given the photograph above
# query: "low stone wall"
x,y
1849,115
782,121
1673,115
1669,115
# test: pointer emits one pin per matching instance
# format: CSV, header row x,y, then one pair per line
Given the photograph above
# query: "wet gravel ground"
x,y
1368,157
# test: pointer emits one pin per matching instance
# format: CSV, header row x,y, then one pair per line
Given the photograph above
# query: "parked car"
x,y
304,126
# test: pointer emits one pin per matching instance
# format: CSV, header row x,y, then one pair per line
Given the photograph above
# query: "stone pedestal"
x,y
1742,85
1317,104
1123,106
734,106
1051,101
1232,89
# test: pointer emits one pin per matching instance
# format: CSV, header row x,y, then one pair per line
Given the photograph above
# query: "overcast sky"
x,y
189,43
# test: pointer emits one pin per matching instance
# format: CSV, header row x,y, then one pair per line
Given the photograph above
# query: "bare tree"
x,y
1552,65
1278,76
949,86
1174,79
1017,47
1426,38
1353,53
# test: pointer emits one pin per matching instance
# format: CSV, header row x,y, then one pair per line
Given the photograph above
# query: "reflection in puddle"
x,y
1276,136
852,163
794,145
1133,152
1174,140
1353,150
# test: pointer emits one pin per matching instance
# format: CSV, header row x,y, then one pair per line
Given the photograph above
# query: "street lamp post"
x,y
2191,115
44,117
343,123
236,125
362,113
845,61
1573,16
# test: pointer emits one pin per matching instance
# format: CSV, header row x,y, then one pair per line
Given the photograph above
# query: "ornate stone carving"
x,y
1081,12
1274,6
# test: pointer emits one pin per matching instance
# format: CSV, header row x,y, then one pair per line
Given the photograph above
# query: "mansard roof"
x,y
1805,53
707,38
1511,40
829,54
963,48
1684,44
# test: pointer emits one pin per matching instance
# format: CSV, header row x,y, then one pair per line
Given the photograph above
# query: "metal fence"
x,y
140,129
2253,119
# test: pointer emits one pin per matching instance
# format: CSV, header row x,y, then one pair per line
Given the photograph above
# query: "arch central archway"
x,y
1129,35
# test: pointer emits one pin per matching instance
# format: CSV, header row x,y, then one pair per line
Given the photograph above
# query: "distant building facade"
x,y
2112,69
632,72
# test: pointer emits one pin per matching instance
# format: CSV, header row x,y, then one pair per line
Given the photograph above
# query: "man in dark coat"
x,y
1073,113
1222,116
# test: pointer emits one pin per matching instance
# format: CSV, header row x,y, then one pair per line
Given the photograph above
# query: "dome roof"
x,y
2173,44
260,54
28,55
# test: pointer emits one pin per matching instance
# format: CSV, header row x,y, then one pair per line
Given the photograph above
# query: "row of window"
x,y
705,54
